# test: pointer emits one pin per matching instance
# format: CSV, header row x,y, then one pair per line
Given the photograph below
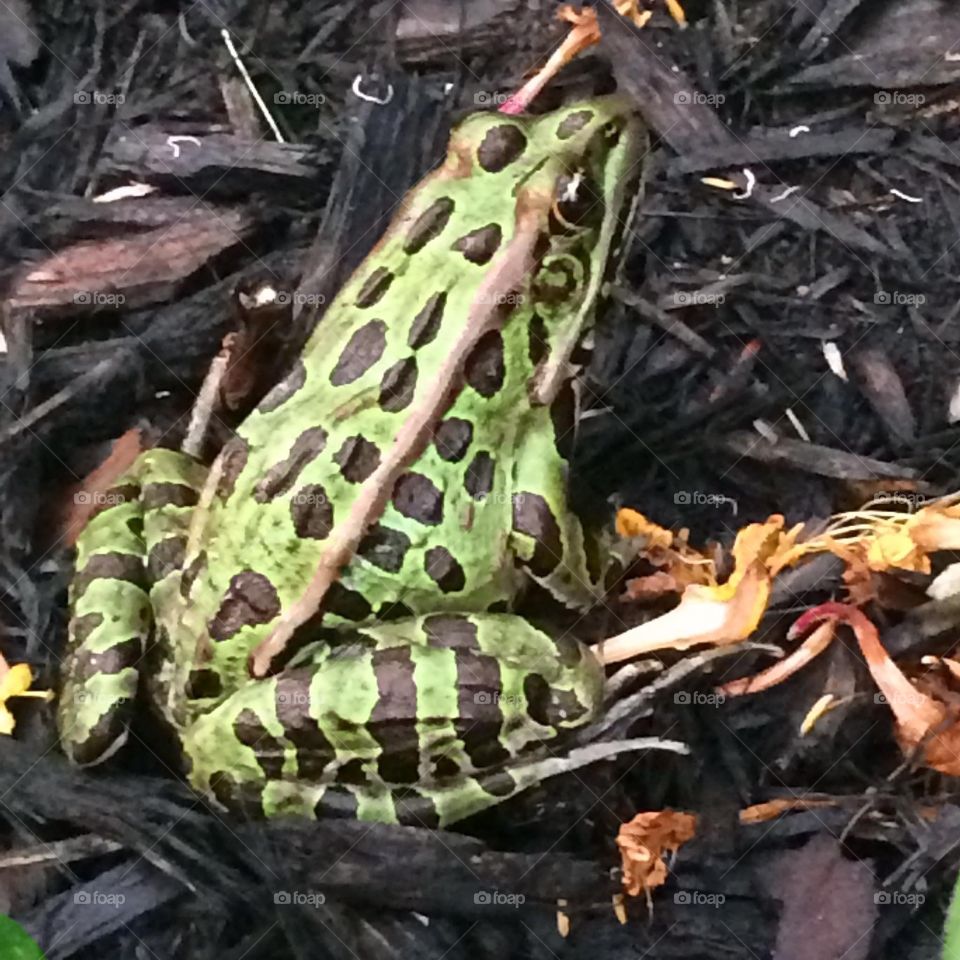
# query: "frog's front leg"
x,y
130,546
412,721
546,535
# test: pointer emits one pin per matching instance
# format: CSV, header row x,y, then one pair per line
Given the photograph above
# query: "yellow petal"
x,y
15,681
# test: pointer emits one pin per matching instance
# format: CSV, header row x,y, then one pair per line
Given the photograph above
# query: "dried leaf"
x,y
94,487
644,841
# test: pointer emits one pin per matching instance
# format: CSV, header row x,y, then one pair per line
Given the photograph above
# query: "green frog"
x,y
323,616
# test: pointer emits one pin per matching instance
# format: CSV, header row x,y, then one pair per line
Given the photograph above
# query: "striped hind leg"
x,y
135,537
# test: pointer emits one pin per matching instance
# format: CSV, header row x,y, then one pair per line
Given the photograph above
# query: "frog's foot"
x,y
416,720
130,544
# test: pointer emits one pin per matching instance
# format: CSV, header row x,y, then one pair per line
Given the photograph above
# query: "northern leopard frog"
x,y
411,458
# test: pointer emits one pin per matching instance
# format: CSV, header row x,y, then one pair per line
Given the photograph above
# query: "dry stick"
x,y
513,265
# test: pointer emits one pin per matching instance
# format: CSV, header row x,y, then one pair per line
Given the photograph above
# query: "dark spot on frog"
x,y
451,631
165,557
357,459
415,809
536,690
384,548
363,350
156,495
443,570
336,805
484,368
563,417
111,661
374,287
501,145
533,516
204,684
191,572
135,526
393,722
233,458
249,730
398,386
572,123
394,610
250,599
82,627
283,475
353,772
285,389
426,324
418,498
428,225
499,784
452,438
292,703
538,340
478,480
312,512
479,245
499,606
127,567
446,767
346,603
101,739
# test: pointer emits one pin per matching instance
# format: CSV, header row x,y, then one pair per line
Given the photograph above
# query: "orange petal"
x,y
643,842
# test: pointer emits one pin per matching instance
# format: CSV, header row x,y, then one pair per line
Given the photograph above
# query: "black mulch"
x,y
837,119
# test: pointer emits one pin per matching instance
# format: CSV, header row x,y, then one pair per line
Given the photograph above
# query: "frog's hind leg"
x,y
133,539
412,721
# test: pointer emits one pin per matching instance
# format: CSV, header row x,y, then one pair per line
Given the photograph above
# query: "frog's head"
x,y
571,174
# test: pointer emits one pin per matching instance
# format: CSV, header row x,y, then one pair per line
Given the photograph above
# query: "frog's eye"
x,y
576,203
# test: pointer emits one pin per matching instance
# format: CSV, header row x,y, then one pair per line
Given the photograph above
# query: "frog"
x,y
381,511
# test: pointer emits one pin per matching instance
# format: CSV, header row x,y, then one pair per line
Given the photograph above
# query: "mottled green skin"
x,y
483,509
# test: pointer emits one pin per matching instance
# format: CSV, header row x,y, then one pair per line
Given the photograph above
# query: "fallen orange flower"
x,y
585,33
922,721
643,842
717,614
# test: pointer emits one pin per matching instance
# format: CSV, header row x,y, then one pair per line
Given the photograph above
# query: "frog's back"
x,y
444,531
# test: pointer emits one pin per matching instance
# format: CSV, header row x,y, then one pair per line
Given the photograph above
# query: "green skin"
x,y
412,702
